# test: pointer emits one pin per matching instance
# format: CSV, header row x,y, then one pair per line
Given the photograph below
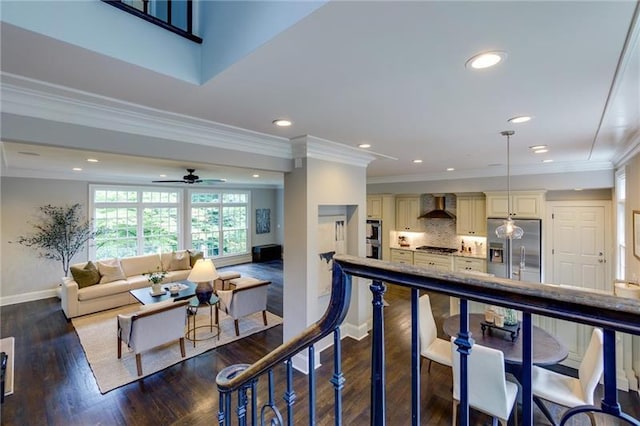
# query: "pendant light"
x,y
508,229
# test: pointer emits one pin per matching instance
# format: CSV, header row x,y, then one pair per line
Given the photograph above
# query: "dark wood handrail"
x,y
574,304
333,317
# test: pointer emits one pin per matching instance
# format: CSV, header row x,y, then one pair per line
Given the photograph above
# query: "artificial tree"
x,y
60,234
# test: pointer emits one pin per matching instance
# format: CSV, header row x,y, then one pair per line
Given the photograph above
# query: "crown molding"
x,y
33,98
543,169
322,149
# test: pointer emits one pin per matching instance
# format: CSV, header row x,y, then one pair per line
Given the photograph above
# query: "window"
x,y
136,221
219,222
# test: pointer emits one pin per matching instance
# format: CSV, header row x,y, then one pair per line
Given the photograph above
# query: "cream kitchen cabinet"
x,y
374,206
407,212
402,256
471,212
439,262
524,204
466,264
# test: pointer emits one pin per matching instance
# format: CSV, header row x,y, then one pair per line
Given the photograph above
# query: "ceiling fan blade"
x,y
168,181
212,180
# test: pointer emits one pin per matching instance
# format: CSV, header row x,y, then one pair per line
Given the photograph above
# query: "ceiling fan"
x,y
191,179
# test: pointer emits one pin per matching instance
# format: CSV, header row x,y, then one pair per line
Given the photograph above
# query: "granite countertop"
x,y
457,254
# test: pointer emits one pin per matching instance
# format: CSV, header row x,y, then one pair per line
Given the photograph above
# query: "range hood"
x,y
439,211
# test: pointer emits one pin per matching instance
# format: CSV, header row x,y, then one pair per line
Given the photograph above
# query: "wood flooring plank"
x,y
54,384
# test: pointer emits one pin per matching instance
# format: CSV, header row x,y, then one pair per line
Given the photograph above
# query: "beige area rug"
x,y
97,333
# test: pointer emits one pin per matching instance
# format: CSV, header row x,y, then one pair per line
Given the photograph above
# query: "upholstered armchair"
x,y
152,326
248,296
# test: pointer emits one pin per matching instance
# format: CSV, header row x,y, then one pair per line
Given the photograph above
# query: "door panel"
x,y
578,241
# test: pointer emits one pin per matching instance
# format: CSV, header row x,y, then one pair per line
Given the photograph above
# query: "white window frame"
x,y
189,206
140,206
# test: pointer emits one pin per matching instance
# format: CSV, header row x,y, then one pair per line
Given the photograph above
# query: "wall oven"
x,y
374,239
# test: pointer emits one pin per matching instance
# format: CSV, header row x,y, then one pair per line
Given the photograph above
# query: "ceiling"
x,y
391,74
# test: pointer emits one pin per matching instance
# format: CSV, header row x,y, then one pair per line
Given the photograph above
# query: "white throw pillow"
x,y
180,261
110,270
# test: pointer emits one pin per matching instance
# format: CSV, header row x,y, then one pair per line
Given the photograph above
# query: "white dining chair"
x,y
489,390
431,347
570,391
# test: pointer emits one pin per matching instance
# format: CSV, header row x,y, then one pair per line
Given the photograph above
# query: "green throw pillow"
x,y
194,256
86,276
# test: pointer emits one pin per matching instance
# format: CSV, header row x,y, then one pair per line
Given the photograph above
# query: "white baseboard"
x,y
300,361
28,297
357,332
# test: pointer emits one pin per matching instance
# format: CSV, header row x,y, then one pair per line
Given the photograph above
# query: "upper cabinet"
x,y
374,206
471,215
524,204
407,212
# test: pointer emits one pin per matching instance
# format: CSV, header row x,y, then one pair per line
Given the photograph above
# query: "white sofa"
x,y
106,295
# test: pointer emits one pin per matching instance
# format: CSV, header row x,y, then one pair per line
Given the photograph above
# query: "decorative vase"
x,y
156,287
204,290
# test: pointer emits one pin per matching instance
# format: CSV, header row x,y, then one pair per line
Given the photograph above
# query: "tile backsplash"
x,y
438,232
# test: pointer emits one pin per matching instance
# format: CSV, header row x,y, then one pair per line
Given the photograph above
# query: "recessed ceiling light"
x,y
577,189
92,160
256,176
540,151
535,147
77,169
450,169
163,175
417,161
547,161
519,119
486,59
282,122
364,145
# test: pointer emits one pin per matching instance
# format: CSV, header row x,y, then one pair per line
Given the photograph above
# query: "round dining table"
x,y
547,350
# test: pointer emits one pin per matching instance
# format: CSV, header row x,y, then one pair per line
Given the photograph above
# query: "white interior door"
x,y
579,256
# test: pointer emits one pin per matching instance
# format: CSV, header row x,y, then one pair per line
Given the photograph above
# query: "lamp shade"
x,y
203,270
203,273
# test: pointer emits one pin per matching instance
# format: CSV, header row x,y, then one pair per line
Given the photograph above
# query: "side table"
x,y
192,311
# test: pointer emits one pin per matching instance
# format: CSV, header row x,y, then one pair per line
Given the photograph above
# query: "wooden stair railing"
x,y
598,309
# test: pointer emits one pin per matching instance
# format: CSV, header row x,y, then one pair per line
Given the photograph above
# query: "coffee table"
x,y
143,295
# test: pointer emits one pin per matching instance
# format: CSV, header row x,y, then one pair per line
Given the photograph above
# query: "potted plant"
x,y
155,278
61,233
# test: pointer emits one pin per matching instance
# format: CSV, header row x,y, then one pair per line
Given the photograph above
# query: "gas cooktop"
x,y
433,249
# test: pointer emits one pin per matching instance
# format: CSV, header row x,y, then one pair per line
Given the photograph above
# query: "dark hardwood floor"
x,y
54,384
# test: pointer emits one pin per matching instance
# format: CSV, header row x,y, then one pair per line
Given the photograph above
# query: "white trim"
x,y
354,331
543,169
32,98
322,149
28,297
300,361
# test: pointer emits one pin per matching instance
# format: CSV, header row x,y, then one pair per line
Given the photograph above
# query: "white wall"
x,y
632,178
20,200
265,199
85,23
25,276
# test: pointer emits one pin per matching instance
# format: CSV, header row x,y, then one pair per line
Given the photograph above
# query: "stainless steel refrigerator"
x,y
523,254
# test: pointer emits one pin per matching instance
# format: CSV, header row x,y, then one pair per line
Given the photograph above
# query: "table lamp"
x,y
203,273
